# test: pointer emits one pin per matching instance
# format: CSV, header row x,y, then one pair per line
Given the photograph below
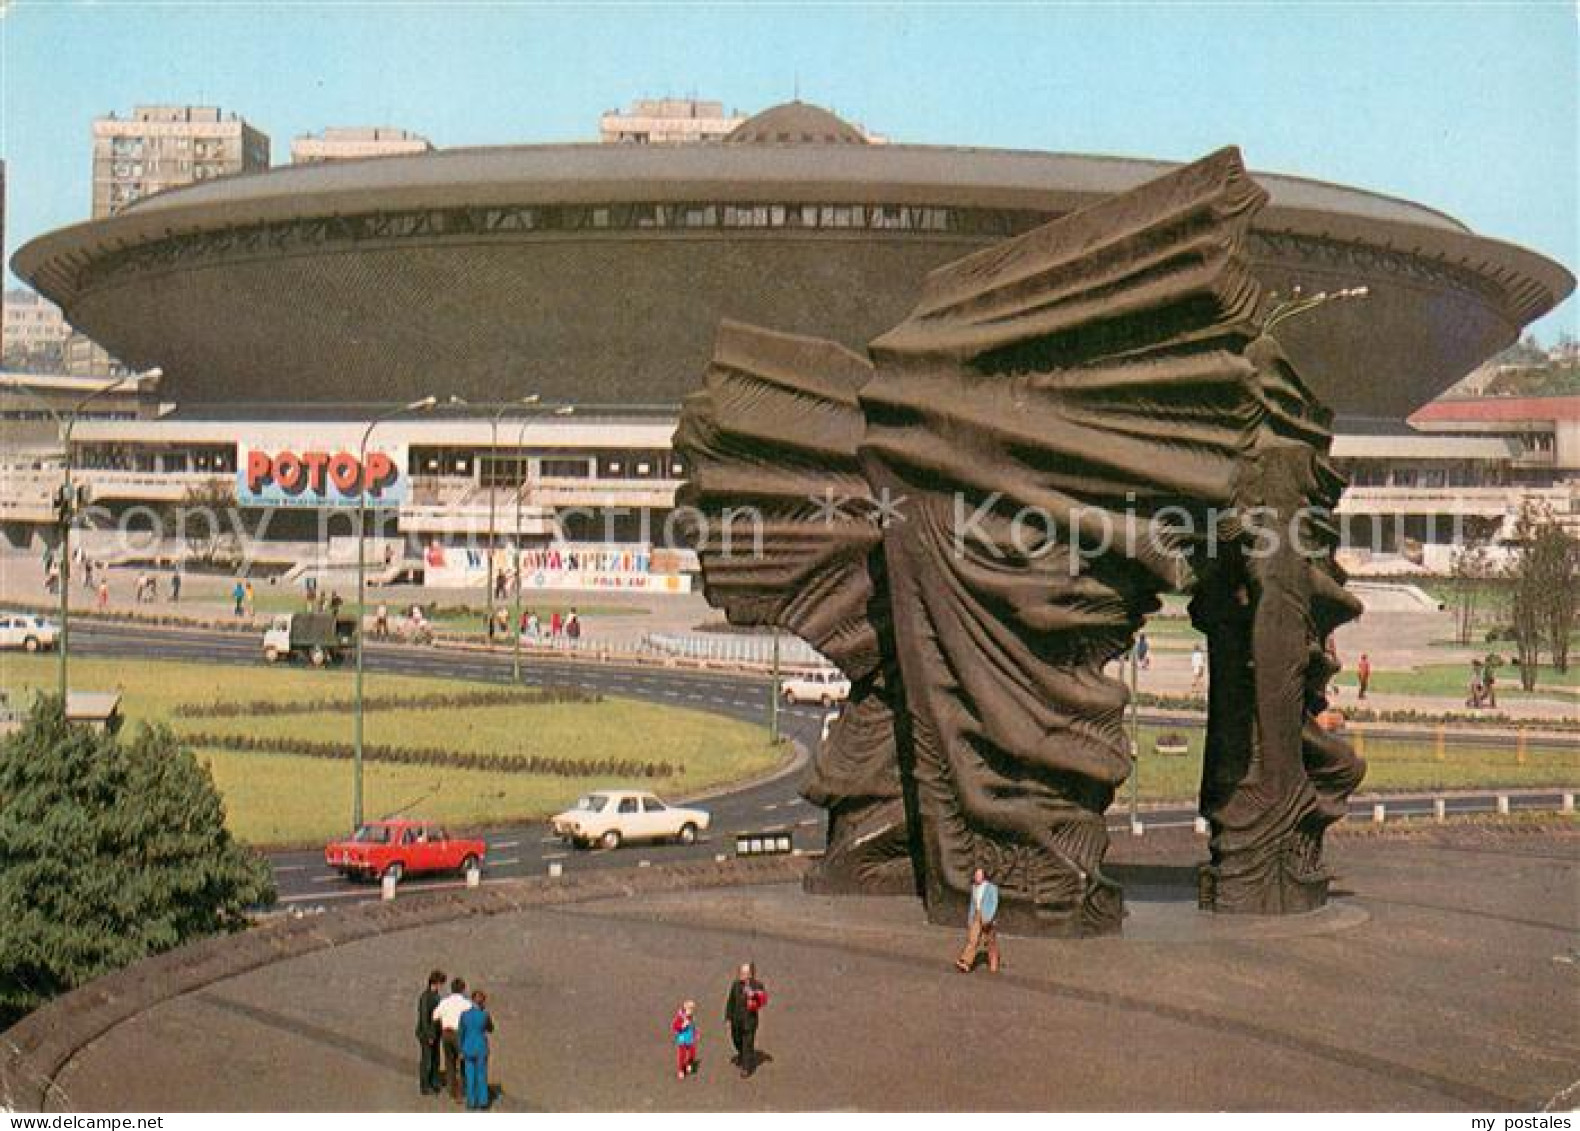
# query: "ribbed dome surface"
x,y
795,123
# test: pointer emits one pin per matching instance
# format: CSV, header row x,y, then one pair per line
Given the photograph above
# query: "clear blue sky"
x,y
1469,108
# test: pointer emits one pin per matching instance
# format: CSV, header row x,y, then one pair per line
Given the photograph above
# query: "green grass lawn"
x,y
1392,764
277,799
1453,680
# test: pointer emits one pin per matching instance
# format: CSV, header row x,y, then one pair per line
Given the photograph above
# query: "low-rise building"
x,y
349,143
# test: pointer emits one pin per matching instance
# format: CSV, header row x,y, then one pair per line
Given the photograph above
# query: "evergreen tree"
x,y
110,851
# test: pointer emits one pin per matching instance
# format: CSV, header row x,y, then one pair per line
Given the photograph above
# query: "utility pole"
x,y
66,509
362,594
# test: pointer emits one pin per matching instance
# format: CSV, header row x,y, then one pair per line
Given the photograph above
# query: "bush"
x,y
110,851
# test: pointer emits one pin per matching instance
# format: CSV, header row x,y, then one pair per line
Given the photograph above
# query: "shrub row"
x,y
430,701
438,756
1408,716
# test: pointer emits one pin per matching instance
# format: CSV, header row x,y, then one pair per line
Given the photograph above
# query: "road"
x,y
527,849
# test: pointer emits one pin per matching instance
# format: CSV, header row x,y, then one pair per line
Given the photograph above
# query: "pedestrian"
x,y
532,628
684,1028
474,1027
175,587
381,621
335,603
1143,651
573,626
250,600
104,594
981,925
448,1014
742,1011
1198,667
1489,685
1478,688
1363,674
428,1080
556,626
238,597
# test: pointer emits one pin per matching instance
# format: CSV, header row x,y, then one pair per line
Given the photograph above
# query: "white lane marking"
x,y
503,861
811,823
556,855
771,806
549,840
325,879
506,843
291,868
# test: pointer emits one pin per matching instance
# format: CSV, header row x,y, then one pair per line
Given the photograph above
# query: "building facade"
x,y
162,147
659,121
349,143
33,333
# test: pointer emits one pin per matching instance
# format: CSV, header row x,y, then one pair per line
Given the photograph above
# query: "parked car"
x,y
27,631
322,638
825,685
610,817
403,848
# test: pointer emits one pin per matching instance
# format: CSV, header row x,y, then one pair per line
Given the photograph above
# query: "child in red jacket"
x,y
684,1027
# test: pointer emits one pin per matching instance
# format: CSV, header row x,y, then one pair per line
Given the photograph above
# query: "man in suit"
x,y
741,1013
982,930
428,1034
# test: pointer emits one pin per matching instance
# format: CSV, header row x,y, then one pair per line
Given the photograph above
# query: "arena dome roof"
x,y
795,123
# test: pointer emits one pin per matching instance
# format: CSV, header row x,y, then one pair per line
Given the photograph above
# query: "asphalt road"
x,y
528,849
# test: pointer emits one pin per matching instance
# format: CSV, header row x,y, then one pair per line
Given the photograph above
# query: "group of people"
x,y
743,1009
452,1032
560,627
1483,690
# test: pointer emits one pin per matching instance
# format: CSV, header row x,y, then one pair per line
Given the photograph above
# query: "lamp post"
x,y
66,506
521,489
773,695
422,405
493,451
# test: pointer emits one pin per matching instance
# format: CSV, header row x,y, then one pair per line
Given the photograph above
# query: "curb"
x,y
35,1050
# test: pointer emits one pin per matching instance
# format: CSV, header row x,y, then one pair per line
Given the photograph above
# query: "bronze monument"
x,y
973,519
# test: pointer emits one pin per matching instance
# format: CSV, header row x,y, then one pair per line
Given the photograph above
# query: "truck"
x,y
320,638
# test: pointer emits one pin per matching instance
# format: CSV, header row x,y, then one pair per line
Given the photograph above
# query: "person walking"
x,y
742,1011
555,625
335,603
1489,685
981,928
381,621
448,1014
573,626
1198,667
1363,674
1143,651
175,587
104,594
238,597
249,598
428,1080
473,1030
684,1028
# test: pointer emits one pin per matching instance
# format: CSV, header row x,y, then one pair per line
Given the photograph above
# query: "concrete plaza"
x,y
1444,977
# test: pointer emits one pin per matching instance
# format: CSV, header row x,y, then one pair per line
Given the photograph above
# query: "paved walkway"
x,y
1443,979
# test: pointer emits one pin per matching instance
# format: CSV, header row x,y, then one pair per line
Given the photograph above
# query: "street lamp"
x,y
493,451
521,489
66,505
423,405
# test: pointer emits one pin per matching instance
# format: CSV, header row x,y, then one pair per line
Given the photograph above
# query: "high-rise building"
x,y
340,143
668,120
161,147
33,332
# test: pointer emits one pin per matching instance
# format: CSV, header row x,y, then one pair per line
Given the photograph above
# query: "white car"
x,y
27,631
610,817
826,686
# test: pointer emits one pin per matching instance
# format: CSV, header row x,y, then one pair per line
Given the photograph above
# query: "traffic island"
x,y
1434,981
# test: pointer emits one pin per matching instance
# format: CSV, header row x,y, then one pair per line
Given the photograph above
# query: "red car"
x,y
403,848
